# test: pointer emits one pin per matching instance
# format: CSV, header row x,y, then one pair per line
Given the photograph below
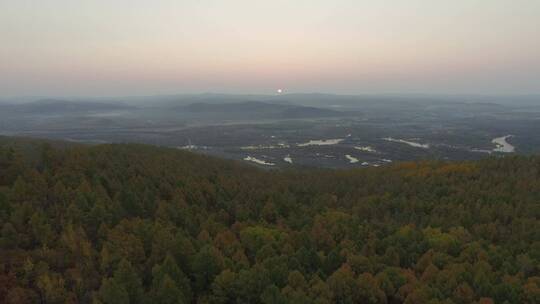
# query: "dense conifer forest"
x,y
117,224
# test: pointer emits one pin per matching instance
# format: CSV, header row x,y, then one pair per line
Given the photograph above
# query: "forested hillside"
x,y
120,224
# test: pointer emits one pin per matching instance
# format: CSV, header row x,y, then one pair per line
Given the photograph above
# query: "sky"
x,y
136,47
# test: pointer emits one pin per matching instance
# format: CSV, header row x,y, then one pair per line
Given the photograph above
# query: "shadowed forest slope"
x,y
139,224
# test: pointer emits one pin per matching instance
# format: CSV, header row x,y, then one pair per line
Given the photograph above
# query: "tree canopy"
x,y
140,224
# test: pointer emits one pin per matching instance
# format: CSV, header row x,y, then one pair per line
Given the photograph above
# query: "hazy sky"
x,y
134,47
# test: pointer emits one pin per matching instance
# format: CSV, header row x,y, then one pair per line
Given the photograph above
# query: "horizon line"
x,y
217,93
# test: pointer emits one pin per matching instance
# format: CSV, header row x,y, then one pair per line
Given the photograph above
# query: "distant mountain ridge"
x,y
56,106
277,110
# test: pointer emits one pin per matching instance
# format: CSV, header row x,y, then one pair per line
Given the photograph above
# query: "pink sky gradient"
x,y
61,47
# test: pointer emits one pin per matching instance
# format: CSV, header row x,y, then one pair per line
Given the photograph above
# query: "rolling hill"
x,y
132,223
56,106
259,109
